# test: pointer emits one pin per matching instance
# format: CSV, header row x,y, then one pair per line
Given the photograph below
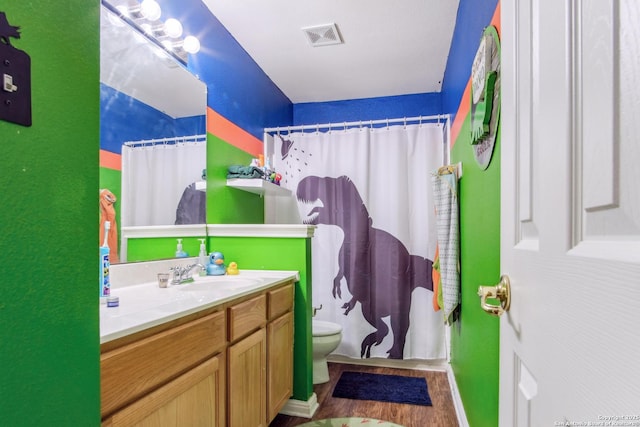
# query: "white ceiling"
x,y
390,48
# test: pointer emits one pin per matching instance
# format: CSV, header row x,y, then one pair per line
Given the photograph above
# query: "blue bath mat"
x,y
383,388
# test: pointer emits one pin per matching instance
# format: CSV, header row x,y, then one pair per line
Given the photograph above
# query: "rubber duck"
x,y
216,264
233,268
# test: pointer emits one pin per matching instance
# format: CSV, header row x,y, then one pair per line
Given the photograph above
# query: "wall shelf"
x,y
258,186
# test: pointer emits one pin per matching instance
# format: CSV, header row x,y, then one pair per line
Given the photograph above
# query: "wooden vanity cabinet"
x,y
195,398
175,376
229,366
260,357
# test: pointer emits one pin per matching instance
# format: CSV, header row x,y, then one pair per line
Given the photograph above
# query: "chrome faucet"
x,y
184,274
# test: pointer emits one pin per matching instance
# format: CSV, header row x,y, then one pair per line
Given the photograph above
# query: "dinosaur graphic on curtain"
x,y
379,271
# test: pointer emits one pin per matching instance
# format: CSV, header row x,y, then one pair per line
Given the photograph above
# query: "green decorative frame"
x,y
485,111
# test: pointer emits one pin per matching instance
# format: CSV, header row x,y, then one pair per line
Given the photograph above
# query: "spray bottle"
x,y
105,284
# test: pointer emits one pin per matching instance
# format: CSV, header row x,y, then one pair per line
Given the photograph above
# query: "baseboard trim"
x,y
421,365
301,408
457,400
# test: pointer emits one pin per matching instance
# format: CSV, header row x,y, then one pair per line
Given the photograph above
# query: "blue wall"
x,y
237,88
389,107
123,118
473,16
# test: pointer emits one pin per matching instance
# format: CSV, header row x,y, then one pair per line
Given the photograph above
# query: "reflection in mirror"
x,y
152,127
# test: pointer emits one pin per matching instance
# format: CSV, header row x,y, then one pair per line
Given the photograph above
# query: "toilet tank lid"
x,y
321,328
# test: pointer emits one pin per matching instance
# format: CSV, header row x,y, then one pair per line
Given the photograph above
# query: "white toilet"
x,y
326,338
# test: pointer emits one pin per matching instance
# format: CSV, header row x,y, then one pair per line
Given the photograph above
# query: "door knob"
x,y
502,292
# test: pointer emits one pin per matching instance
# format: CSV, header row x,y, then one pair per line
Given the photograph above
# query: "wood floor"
x,y
441,414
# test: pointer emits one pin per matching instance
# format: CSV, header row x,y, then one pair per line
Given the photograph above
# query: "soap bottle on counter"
x,y
179,252
203,258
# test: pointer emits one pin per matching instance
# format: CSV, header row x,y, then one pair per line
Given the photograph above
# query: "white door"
x,y
570,218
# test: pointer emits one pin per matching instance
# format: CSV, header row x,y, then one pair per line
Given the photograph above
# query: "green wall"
x,y
227,205
264,253
49,223
475,338
151,249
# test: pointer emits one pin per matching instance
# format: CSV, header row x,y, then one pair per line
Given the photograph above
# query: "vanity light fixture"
x,y
173,28
144,17
191,44
150,9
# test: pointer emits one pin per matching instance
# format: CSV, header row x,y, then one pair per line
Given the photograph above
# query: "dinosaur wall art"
x,y
377,268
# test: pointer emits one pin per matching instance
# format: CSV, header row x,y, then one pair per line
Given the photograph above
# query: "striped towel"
x,y
445,189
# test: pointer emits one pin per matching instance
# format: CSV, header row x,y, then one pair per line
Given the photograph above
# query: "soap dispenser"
x,y
203,258
179,252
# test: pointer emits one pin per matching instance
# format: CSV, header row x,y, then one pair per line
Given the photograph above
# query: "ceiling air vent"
x,y
323,35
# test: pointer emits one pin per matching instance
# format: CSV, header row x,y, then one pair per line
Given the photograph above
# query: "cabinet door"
x,y
279,363
196,398
247,382
132,371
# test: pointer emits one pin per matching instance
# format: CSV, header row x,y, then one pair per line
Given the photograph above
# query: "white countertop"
x,y
146,305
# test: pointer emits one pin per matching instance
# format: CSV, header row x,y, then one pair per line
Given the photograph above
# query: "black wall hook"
x,y
15,77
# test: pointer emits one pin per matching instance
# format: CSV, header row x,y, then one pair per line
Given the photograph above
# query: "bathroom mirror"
x,y
148,96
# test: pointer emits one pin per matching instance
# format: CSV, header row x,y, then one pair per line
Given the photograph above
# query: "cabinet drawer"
x,y
131,371
280,301
247,317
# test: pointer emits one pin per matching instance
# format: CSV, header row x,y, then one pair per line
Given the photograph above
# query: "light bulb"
x,y
173,28
191,44
150,9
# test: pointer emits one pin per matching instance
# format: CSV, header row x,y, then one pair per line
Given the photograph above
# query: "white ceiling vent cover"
x,y
323,35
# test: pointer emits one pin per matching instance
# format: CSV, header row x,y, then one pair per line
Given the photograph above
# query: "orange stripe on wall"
x,y
232,134
465,105
110,160
495,21
461,115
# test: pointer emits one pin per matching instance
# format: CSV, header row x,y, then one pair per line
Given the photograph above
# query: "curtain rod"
x,y
443,117
166,141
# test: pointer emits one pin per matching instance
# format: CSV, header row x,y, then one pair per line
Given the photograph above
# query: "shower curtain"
x,y
369,191
154,178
